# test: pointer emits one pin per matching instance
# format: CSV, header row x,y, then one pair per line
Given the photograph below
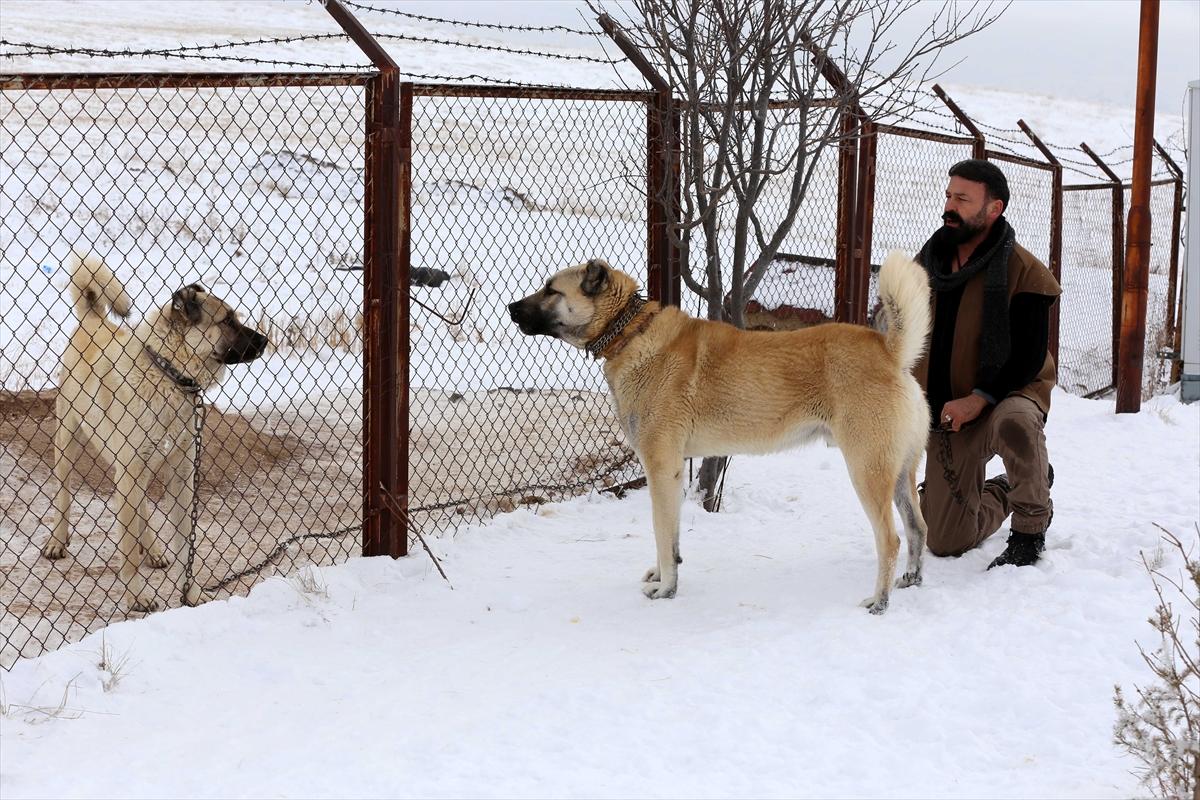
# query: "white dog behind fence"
x,y
135,397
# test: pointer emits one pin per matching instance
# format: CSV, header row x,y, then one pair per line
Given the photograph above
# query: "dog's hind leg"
x,y
915,530
66,452
874,491
664,474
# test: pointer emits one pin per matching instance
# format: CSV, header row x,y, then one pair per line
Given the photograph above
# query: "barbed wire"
x,y
497,48
1009,145
466,24
32,49
1016,137
999,136
316,37
307,37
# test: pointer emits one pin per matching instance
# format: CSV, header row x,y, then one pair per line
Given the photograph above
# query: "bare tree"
x,y
763,89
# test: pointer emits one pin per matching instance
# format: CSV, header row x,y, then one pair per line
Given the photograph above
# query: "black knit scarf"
x,y
990,257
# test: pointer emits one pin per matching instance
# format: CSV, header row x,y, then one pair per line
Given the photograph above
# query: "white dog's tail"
x,y
95,289
904,292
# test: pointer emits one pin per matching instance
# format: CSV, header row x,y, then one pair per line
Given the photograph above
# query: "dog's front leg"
x,y
132,494
66,452
664,474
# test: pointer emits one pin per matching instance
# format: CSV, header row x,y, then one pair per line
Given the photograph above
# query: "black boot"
x,y
1023,549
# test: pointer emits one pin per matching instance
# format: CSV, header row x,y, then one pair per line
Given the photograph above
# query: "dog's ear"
x,y
594,277
185,304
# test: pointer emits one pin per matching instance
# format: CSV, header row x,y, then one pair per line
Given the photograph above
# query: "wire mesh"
x,y
1085,348
255,193
252,194
1030,205
797,288
910,186
1156,365
507,190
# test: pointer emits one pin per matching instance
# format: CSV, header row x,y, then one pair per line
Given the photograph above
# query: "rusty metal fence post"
x,y
661,170
979,148
864,207
845,261
385,297
1118,253
661,199
1135,283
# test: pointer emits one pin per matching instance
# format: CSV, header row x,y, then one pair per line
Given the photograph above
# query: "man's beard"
x,y
966,229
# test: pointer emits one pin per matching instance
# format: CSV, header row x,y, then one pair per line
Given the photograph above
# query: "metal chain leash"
x,y
274,555
199,415
626,460
199,412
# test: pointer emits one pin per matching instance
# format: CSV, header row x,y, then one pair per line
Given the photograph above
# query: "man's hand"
x,y
959,412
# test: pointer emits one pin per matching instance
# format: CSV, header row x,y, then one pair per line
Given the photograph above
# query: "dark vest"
x,y
1025,274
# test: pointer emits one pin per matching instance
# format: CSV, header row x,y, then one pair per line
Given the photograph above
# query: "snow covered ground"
x,y
544,672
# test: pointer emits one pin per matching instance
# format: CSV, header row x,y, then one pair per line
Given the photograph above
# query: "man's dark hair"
x,y
985,172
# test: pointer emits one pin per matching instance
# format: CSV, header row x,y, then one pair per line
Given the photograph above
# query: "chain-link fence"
x,y
1093,268
1031,201
911,168
226,207
1163,267
1085,309
798,287
910,179
218,208
508,188
242,213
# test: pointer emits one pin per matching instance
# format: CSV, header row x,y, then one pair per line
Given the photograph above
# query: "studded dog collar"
x,y
185,383
597,346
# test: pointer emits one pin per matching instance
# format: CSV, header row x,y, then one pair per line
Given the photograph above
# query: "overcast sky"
x,y
1083,49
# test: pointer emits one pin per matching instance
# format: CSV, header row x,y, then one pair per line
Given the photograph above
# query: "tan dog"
x,y
130,394
686,387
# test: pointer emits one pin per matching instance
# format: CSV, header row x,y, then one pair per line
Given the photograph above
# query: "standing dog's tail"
x,y
95,289
904,292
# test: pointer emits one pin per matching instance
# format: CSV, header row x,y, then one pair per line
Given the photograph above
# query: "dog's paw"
x,y
156,558
908,579
658,590
651,575
55,550
143,603
875,605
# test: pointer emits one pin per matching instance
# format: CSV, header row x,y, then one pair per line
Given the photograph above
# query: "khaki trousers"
x,y
960,511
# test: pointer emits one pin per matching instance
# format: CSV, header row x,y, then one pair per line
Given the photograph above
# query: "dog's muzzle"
x,y
249,345
530,318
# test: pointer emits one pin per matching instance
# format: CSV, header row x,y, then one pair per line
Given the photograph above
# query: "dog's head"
x,y
576,304
210,327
